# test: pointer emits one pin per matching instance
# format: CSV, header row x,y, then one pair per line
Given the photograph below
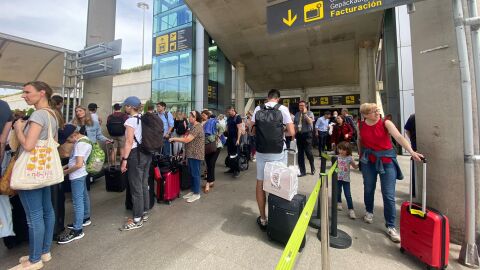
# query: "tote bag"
x,y
40,167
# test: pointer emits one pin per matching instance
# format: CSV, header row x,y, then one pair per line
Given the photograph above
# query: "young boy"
x,y
76,169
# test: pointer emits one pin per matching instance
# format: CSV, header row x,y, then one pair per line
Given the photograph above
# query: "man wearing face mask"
x,y
304,135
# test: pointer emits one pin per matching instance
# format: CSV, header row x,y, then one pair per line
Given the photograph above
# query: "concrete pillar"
x,y
367,72
100,28
240,88
438,108
201,68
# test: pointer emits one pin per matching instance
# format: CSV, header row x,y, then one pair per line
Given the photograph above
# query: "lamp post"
x,y
143,6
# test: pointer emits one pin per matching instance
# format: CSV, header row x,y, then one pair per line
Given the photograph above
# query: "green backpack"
x,y
96,159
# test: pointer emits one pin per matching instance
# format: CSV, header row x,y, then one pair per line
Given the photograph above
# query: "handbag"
x,y
13,141
280,179
210,147
65,149
40,167
5,188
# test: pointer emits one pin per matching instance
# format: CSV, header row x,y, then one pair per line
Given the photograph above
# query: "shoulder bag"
x,y
41,167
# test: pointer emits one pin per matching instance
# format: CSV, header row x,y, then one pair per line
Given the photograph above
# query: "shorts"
x,y
118,142
264,158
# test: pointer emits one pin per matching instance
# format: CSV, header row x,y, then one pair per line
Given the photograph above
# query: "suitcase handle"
x,y
110,149
295,153
424,188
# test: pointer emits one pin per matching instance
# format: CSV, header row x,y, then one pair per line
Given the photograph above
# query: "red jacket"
x,y
339,132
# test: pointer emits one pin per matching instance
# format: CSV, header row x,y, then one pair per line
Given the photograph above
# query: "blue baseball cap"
x,y
132,101
64,133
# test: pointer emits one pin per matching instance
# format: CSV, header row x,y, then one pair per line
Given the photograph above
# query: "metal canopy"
x,y
23,60
320,55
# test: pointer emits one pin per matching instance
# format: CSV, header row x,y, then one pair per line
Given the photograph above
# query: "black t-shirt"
x,y
232,123
5,114
410,126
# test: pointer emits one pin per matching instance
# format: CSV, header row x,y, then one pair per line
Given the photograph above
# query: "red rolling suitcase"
x,y
425,232
168,186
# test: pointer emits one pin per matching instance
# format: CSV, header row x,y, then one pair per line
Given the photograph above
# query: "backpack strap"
x,y
277,106
139,119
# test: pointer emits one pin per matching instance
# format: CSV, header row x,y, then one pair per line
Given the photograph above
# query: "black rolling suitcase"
x,y
115,180
283,216
185,178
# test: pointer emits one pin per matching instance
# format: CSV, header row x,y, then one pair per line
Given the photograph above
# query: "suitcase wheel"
x,y
178,196
159,201
402,250
168,202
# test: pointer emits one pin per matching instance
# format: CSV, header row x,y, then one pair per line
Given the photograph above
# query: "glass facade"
x,y
172,70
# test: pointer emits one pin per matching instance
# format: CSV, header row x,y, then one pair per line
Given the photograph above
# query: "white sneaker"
x,y
193,198
351,214
187,196
368,218
339,207
392,233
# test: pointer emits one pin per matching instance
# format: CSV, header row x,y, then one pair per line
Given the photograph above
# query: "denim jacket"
x,y
94,132
378,163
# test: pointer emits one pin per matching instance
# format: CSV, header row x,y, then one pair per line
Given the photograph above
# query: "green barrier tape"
x,y
327,157
287,261
289,255
332,170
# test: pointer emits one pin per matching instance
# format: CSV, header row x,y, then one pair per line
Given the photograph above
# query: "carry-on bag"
x,y
185,177
280,179
115,180
283,216
424,232
168,186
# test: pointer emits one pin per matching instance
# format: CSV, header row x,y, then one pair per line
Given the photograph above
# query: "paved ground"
x,y
219,232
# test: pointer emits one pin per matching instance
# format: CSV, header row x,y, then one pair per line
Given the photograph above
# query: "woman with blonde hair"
x,y
87,126
378,157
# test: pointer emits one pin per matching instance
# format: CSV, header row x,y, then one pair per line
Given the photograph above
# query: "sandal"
x,y
207,188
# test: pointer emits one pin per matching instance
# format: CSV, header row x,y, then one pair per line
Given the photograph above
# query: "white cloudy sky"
x,y
63,23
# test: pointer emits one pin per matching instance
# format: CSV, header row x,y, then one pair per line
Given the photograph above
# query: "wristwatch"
x,y
124,159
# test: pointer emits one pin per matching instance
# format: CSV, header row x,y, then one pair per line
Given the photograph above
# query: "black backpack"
x,y
152,133
115,126
269,130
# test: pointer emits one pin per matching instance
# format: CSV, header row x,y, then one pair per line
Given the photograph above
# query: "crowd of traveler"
x,y
197,137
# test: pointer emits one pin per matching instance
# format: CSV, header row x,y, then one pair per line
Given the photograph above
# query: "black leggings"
x,y
211,160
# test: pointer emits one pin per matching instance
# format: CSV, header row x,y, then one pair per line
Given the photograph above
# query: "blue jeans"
x,y
346,190
41,220
387,183
81,201
194,167
166,150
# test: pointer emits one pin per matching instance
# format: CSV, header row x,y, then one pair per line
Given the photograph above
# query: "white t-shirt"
x,y
80,149
287,119
94,117
136,124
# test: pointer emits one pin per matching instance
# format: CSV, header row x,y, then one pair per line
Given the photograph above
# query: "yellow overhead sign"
x,y
161,44
313,12
299,13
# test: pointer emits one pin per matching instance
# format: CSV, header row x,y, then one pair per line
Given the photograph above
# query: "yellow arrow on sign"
x,y
290,20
